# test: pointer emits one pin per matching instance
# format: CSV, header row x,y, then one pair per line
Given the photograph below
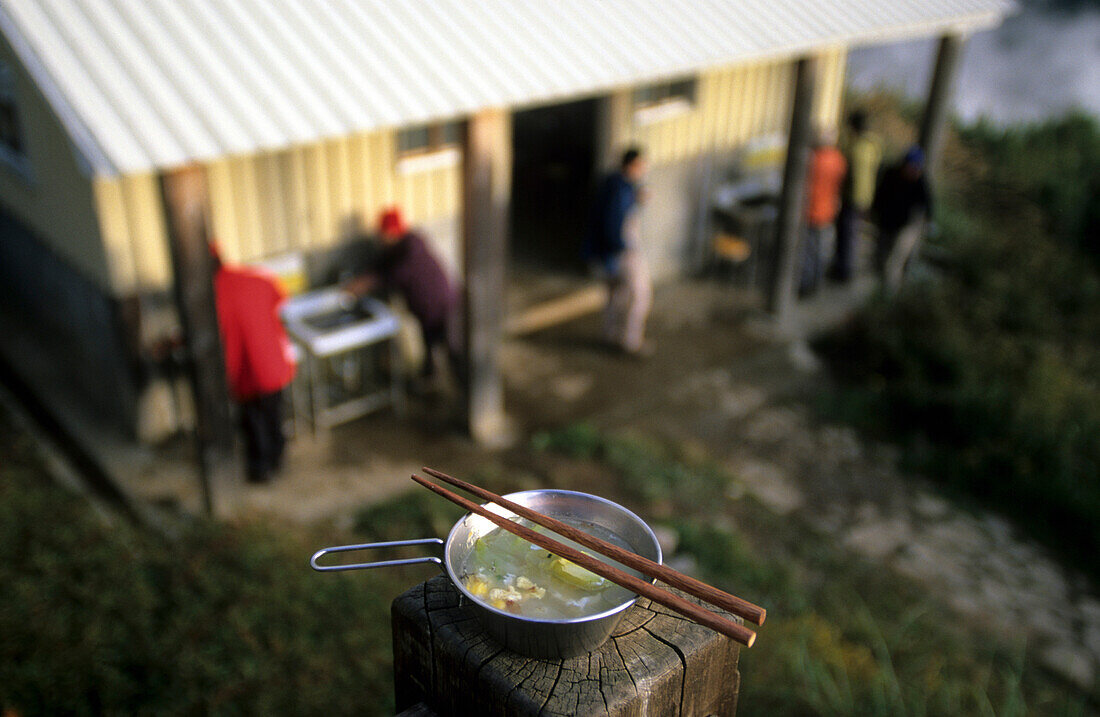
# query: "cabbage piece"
x,y
569,572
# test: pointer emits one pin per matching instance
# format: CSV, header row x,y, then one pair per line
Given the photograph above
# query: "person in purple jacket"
x,y
407,266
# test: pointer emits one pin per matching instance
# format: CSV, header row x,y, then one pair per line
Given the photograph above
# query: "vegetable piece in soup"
x,y
511,574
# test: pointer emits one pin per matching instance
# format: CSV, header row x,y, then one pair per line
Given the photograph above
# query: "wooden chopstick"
x,y
700,615
753,613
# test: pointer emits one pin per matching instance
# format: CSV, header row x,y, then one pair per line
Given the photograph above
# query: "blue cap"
x,y
915,155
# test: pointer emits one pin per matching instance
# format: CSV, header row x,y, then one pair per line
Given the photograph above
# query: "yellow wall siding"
x,y
311,197
738,88
114,228
322,226
780,98
300,199
381,161
832,65
145,219
726,110
223,218
345,204
755,101
243,194
57,200
129,208
364,186
735,105
266,184
708,123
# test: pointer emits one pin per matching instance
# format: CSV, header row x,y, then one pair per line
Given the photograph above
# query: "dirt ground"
x,y
553,378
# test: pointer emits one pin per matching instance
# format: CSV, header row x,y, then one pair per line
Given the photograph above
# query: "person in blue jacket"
x,y
613,244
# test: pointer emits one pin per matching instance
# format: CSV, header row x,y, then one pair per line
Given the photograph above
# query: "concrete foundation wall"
x,y
61,332
60,326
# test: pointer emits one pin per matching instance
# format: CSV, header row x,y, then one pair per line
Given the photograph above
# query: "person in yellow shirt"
x,y
863,150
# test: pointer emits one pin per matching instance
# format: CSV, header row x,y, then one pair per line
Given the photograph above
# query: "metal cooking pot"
x,y
541,638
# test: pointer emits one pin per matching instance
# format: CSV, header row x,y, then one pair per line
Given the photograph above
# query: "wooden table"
x,y
656,663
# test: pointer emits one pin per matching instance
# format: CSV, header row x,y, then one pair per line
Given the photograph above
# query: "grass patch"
x,y
648,470
107,619
418,514
103,619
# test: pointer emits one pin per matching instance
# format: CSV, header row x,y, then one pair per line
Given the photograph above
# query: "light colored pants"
x,y
629,298
896,252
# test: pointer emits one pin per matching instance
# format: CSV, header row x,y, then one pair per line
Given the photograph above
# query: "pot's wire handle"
x,y
370,546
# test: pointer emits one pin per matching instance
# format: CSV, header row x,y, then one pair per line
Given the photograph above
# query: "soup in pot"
x,y
511,574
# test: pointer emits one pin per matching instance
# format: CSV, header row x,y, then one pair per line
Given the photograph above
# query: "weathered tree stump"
x,y
656,663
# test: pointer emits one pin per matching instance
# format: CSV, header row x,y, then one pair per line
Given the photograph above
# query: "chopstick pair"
x,y
690,585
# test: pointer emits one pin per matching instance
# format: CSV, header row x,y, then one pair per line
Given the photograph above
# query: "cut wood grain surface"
x,y
656,663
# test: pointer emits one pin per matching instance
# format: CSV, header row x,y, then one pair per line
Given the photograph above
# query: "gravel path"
x,y
743,401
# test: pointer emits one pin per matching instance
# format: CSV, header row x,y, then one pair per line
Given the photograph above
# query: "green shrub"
x,y
1055,165
578,440
989,372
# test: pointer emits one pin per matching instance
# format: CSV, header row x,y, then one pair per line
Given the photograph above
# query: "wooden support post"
x,y
934,121
792,199
655,663
183,192
486,179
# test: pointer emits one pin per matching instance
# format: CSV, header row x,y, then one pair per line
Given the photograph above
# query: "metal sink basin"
x,y
338,318
329,321
345,370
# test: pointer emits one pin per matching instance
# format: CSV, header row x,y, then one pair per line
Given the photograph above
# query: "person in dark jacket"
x,y
613,243
259,360
408,267
902,203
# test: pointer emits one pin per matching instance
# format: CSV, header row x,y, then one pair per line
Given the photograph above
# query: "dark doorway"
x,y
554,156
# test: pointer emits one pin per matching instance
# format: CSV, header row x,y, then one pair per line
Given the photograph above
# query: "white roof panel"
x,y
143,85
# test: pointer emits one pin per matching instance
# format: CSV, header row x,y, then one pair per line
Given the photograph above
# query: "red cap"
x,y
392,222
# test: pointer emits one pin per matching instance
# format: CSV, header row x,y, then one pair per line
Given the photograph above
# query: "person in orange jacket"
x,y
259,360
827,170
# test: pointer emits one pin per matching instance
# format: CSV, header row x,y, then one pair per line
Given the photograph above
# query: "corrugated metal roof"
x,y
149,84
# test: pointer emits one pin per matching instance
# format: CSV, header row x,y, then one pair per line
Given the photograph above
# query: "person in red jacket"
x,y
259,361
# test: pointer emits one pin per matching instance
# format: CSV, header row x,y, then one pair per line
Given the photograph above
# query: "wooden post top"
x,y
656,662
